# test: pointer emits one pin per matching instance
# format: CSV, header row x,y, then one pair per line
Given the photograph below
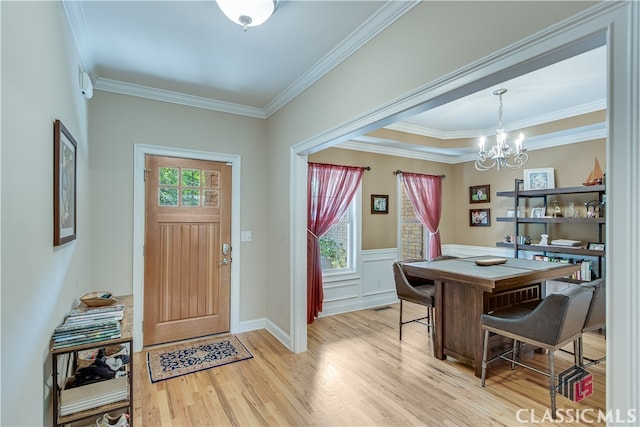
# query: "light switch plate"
x,y
245,236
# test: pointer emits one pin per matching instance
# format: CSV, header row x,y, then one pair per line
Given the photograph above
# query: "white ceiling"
x,y
189,52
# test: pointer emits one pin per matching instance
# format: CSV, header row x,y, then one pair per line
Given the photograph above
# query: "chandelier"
x,y
502,154
248,13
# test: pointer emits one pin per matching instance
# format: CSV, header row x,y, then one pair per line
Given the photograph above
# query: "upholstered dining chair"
x,y
556,321
422,294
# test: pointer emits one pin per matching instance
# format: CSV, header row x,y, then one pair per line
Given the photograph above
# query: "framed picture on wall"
x,y
480,194
64,185
479,217
379,204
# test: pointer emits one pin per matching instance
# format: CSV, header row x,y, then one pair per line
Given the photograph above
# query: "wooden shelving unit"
x,y
126,338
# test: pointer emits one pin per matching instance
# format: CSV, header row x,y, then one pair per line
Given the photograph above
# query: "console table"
x,y
464,291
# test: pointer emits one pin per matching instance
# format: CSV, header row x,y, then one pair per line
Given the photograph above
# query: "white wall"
x,y
40,283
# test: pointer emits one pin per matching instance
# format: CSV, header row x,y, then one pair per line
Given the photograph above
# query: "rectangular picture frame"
x,y
379,204
538,212
596,246
480,194
539,179
479,217
64,185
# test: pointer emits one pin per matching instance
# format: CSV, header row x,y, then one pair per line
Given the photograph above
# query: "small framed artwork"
x,y
479,217
596,246
538,212
539,179
64,185
379,204
480,194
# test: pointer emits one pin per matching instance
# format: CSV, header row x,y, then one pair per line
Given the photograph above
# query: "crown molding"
x,y
373,26
521,124
75,16
141,91
448,156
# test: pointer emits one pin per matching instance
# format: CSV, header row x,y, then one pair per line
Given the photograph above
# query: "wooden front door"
x,y
187,249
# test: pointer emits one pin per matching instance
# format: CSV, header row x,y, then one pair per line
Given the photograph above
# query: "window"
x,y
338,246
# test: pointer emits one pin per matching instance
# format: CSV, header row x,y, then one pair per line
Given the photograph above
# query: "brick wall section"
x,y
411,231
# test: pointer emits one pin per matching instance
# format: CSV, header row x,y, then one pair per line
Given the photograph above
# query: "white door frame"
x,y
619,23
140,151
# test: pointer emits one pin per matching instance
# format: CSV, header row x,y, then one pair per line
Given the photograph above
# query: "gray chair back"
x,y
406,291
597,314
558,318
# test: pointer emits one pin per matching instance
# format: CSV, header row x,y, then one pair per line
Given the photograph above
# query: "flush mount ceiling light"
x,y
500,155
248,13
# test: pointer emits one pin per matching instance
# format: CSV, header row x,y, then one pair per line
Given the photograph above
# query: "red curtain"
x,y
330,189
425,193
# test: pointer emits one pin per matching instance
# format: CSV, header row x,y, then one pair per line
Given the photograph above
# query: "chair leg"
x,y
432,320
552,384
577,351
515,354
485,353
400,320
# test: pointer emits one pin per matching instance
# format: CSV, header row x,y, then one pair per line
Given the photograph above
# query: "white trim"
x,y
377,23
139,153
147,92
550,116
620,21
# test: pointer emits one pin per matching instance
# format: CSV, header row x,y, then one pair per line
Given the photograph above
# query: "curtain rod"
x,y
399,171
368,168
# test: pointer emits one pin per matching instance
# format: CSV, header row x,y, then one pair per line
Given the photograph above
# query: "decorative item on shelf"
x,y
544,240
539,179
571,212
595,246
596,176
538,212
557,212
98,299
593,208
512,213
501,154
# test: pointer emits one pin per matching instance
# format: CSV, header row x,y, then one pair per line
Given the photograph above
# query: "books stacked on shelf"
x,y
92,395
585,273
89,324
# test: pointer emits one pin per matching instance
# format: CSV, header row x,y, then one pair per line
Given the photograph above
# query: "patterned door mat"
x,y
185,358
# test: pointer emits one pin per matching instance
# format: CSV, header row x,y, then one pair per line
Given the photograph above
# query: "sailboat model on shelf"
x,y
596,176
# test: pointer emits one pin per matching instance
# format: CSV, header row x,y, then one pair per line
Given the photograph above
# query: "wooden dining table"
x,y
465,290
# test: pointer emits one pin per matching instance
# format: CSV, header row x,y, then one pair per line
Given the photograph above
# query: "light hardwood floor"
x,y
357,373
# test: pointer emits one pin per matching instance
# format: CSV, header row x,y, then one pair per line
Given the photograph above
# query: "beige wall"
x,y
40,282
119,122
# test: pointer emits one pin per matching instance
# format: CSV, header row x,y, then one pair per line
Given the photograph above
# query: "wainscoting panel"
x,y
373,287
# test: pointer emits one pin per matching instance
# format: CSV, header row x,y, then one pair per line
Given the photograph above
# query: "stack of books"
x,y
85,325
